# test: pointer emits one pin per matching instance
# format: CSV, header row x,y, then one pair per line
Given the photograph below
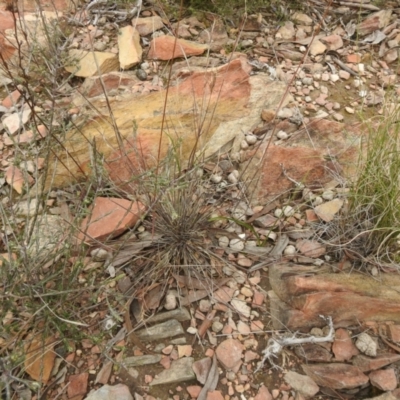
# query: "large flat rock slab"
x,y
206,110
312,155
301,294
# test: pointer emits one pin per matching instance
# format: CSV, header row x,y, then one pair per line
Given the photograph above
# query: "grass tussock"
x,y
376,191
366,232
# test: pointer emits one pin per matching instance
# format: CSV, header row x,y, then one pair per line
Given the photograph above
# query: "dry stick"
x,y
275,346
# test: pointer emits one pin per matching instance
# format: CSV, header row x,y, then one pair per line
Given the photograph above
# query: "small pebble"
x,y
232,177
142,75
217,326
244,145
204,305
334,78
251,139
317,332
328,195
99,254
216,178
317,201
236,244
288,211
282,135
290,250
223,241
170,301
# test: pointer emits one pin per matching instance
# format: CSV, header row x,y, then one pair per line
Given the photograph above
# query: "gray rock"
x,y
137,361
180,314
217,326
107,392
142,75
161,331
201,368
302,384
180,371
179,340
28,208
48,232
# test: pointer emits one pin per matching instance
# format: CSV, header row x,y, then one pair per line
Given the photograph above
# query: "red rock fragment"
x,y
336,376
384,379
201,368
263,394
15,178
229,354
332,42
313,353
215,395
110,217
310,248
373,22
394,332
11,99
366,364
78,384
168,47
250,356
166,362
353,58
194,391
311,216
343,347
258,298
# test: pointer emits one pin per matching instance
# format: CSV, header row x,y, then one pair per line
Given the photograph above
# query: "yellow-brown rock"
x,y
89,63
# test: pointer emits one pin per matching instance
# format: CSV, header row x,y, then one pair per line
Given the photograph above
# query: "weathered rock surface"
x,y
180,314
107,392
180,371
328,210
89,63
384,379
17,120
298,300
130,51
229,354
343,347
374,22
108,84
109,218
168,47
313,353
366,364
148,25
201,368
235,98
49,232
263,394
302,384
304,162
137,361
336,376
164,330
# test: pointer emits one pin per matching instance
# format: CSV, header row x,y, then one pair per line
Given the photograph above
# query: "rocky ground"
x,y
290,316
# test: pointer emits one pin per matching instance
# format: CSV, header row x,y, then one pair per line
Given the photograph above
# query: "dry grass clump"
x,y
368,228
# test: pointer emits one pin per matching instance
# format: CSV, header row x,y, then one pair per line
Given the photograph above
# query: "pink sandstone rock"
x,y
168,47
229,354
384,379
109,218
343,347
